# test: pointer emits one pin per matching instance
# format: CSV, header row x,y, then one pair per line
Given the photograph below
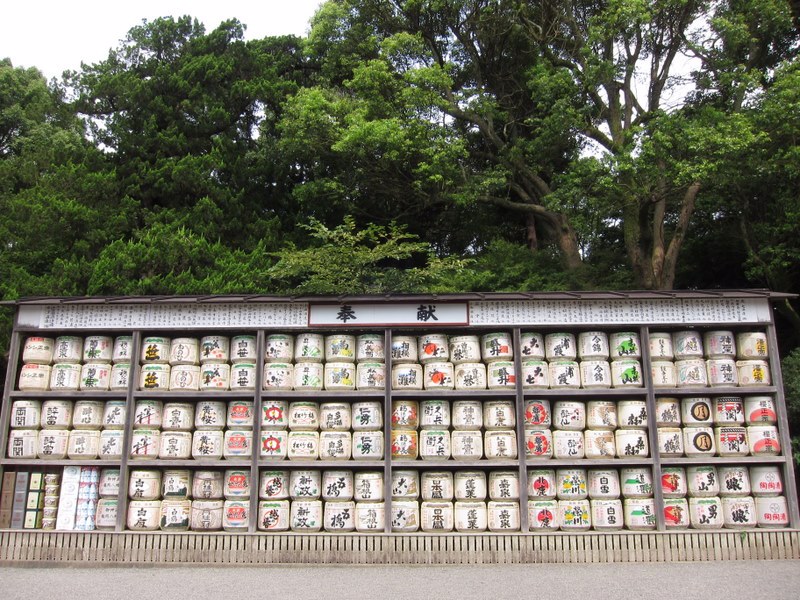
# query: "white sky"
x,y
57,35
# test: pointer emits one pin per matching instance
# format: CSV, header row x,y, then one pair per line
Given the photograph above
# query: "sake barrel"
x,y
106,515
26,414
95,377
23,443
499,414
734,480
434,444
467,415
626,373
305,516
705,513
763,440
721,372
673,482
436,517
334,416
631,443
467,445
601,415
367,416
273,515
83,444
370,376
304,416
728,410
405,484
273,485
236,484
38,350
503,485
144,484
599,443
368,486
564,374
607,514
603,484
243,349
215,377
703,481
751,344
274,414
535,374
214,349
571,484
438,376
661,346
464,349
177,416
303,445
404,349
405,414
470,517
240,414
668,412
437,485
760,410
335,445
308,376
699,441
122,352
207,444
238,443
148,414
367,445
56,414
145,443
339,516
670,441
434,414
34,377
624,345
155,350
637,482
691,373
370,516
340,376
500,375
595,374
405,444
719,344
278,376
143,515
532,346
731,441
120,377
753,373
67,349
676,513
207,515
542,484
66,377
279,348
407,376
210,415
340,348
663,374
500,444
497,347
242,377
469,485
337,485
569,415
405,516
543,515
739,513
640,514
433,348
574,515
687,344
593,345
184,351
696,411
305,484
560,346
207,485
537,413
568,444
108,485
538,443
766,480
176,484
772,513
370,348
503,516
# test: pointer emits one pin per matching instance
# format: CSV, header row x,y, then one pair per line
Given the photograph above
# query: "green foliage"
x,y
790,367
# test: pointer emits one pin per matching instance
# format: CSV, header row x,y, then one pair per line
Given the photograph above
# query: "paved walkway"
x,y
753,580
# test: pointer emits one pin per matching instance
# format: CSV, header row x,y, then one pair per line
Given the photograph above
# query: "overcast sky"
x,y
57,35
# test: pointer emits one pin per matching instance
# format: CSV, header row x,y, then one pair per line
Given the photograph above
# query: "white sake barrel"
x,y
503,485
501,444
106,516
434,414
739,513
607,514
367,416
663,374
673,482
214,349
404,349
108,485
772,512
144,484
66,376
560,346
574,515
687,345
564,374
497,347
764,440
370,516
274,414
176,484
734,480
696,411
535,374
731,441
705,513
303,445
207,485
538,443
464,349
760,410
670,442
335,445
370,347
207,515
370,376
691,372
469,485
434,444
38,350
699,441
721,372
144,515
728,410
207,445
236,484
661,346
238,443
532,346
95,377
279,348
184,351
568,444
56,414
543,515
68,349
273,515
122,352
433,347
23,443
436,517
702,480
753,373
308,376
240,414
26,414
499,414
467,415
751,344
593,345
598,443
34,378
175,515
304,416
214,376
537,413
601,415
569,415
236,515
243,349
542,484
83,444
210,414
278,376
405,516
367,445
155,350
145,443
337,485
339,516
640,514
438,376
766,480
177,416
242,377
503,516
120,377
405,485
340,376
595,374
405,414
668,412
405,444
154,377
368,486
305,485
625,345
306,516
603,484
637,482
626,373
273,485
571,484
334,416
437,485
467,445
719,344
470,517
407,376
676,513
340,348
